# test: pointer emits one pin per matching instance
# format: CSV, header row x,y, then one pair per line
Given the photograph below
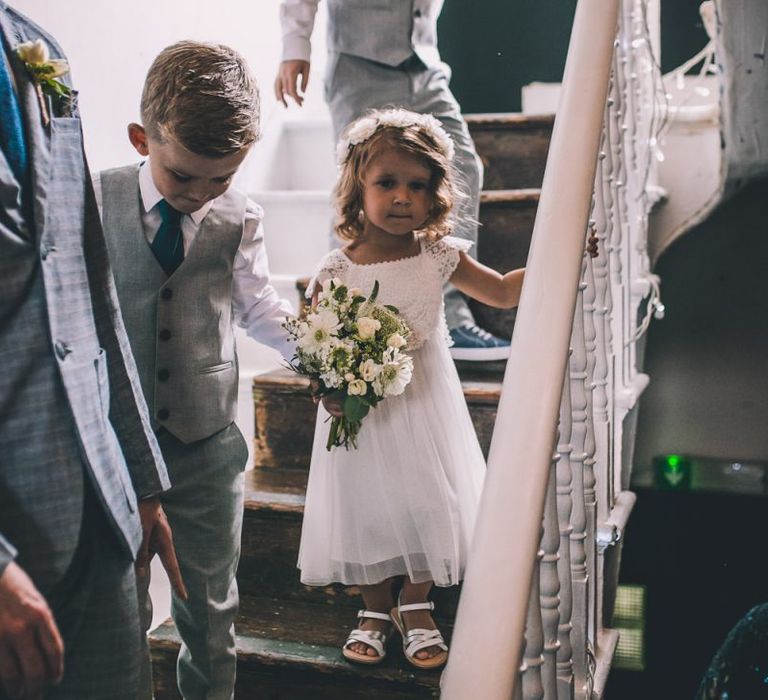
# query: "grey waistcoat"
x,y
180,327
385,31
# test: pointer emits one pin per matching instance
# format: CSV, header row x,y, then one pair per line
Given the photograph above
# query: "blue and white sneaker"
x,y
471,343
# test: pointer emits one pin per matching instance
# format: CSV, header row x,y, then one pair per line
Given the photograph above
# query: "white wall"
x,y
111,44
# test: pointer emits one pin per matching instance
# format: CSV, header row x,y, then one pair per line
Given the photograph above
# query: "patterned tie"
x,y
11,125
168,245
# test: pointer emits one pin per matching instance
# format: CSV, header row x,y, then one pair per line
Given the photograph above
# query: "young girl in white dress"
x,y
403,504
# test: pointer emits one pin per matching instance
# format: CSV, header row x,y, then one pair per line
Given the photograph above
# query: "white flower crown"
x,y
365,127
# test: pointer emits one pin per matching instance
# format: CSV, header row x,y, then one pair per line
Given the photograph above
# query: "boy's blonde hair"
x,y
204,97
417,135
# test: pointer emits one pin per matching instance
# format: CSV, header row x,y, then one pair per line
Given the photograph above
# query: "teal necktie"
x,y
168,245
11,125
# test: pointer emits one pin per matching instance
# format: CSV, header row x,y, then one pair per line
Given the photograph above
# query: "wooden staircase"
x,y
290,635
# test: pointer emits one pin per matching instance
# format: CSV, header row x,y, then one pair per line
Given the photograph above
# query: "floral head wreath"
x,y
365,127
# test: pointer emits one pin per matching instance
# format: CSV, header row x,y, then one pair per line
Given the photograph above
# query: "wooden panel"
x,y
513,149
284,420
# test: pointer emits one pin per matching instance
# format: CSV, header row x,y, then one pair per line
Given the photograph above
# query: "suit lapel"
x,y
38,137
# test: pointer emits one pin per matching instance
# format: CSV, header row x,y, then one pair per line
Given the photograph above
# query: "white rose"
x,y
349,377
395,340
368,370
36,53
33,51
367,327
357,387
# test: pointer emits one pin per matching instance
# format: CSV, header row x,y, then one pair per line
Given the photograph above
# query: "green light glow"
x,y
674,462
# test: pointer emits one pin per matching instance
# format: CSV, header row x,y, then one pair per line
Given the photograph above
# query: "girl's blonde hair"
x,y
418,135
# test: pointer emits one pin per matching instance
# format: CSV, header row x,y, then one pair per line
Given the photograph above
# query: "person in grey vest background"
x,y
189,260
384,54
76,447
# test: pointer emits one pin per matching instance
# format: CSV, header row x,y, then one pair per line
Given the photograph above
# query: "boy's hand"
x,y
31,648
333,402
158,540
592,245
292,80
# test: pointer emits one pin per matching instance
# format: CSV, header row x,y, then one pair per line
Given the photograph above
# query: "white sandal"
x,y
373,638
417,639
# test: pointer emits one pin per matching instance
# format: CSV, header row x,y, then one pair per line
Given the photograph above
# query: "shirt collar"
x,y
150,195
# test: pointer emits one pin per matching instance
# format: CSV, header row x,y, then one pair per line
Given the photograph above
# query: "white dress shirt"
x,y
256,305
297,19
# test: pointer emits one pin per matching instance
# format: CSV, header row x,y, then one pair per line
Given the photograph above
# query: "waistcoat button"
x,y
163,414
166,293
164,334
163,374
61,349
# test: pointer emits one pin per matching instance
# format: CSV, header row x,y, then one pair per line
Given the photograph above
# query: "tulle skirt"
x,y
405,501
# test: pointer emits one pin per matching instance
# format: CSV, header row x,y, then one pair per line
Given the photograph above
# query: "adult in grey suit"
x,y
383,54
76,449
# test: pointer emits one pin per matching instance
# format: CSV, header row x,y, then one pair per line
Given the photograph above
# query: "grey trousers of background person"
x,y
96,610
355,85
205,511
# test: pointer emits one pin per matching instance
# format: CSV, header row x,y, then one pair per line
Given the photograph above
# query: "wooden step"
x,y
274,506
513,148
291,651
284,417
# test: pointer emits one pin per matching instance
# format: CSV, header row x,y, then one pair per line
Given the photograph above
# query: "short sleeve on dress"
x,y
334,264
445,254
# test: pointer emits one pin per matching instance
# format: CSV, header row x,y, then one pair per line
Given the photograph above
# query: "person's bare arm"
x,y
486,285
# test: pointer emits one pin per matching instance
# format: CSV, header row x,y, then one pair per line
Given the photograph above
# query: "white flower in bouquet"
x,y
357,387
367,327
369,370
322,325
395,341
395,374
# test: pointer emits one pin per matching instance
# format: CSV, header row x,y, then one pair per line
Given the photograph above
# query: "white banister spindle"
x,y
533,657
498,579
590,491
549,582
621,232
565,680
601,420
579,572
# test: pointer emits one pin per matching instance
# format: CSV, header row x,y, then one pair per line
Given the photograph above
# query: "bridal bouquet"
x,y
350,344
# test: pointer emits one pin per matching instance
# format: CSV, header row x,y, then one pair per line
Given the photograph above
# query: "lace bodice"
x,y
414,285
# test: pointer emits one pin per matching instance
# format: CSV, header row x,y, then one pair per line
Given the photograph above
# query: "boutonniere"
x,y
44,72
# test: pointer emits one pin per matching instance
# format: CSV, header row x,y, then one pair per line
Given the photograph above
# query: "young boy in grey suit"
x,y
189,260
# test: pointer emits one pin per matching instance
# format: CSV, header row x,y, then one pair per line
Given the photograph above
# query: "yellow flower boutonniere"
x,y
44,72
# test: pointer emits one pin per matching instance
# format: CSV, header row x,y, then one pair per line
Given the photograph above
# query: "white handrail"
x,y
487,642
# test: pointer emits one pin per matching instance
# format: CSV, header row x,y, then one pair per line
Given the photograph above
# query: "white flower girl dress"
x,y
404,501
